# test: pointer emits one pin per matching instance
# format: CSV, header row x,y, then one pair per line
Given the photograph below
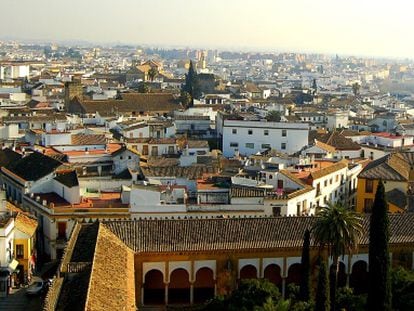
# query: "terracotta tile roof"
x,y
237,191
129,104
336,140
329,170
25,224
324,146
153,236
88,139
112,280
192,172
161,141
390,167
198,144
191,117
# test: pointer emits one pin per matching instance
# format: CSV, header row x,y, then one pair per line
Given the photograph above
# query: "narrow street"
x,y
19,301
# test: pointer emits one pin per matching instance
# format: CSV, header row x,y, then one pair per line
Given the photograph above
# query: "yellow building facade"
x,y
367,189
395,171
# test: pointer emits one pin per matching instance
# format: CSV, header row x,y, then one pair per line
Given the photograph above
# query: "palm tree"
x,y
339,229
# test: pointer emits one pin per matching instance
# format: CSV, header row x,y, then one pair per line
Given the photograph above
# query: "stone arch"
x,y
248,272
293,275
154,288
204,285
359,277
341,282
179,287
273,273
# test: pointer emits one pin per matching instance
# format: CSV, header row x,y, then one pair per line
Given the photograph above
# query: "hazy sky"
x,y
367,27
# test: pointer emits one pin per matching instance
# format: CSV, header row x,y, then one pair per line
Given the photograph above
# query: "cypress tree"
x,y
322,291
192,86
304,293
379,291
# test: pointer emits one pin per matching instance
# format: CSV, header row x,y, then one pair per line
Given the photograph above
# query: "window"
x,y
368,205
61,230
234,131
318,189
19,251
325,183
270,176
369,186
336,178
266,146
284,133
283,146
120,157
129,157
266,132
250,132
250,145
330,181
234,145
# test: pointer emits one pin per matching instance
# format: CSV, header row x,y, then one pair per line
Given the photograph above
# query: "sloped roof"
x,y
329,170
237,191
25,224
131,103
198,144
112,279
33,166
192,172
68,178
324,146
397,198
88,139
8,156
153,236
337,140
390,167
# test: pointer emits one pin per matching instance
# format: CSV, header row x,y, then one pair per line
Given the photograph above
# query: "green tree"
x,y
379,292
402,282
322,291
355,88
273,116
152,73
192,85
304,293
347,300
339,229
314,86
143,88
185,99
253,294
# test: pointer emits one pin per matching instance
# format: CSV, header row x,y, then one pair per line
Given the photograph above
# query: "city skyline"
x,y
363,29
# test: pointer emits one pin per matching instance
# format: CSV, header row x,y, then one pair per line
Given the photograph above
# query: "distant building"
x,y
249,137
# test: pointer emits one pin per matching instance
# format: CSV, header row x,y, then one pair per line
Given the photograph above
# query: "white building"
x,y
14,70
250,137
